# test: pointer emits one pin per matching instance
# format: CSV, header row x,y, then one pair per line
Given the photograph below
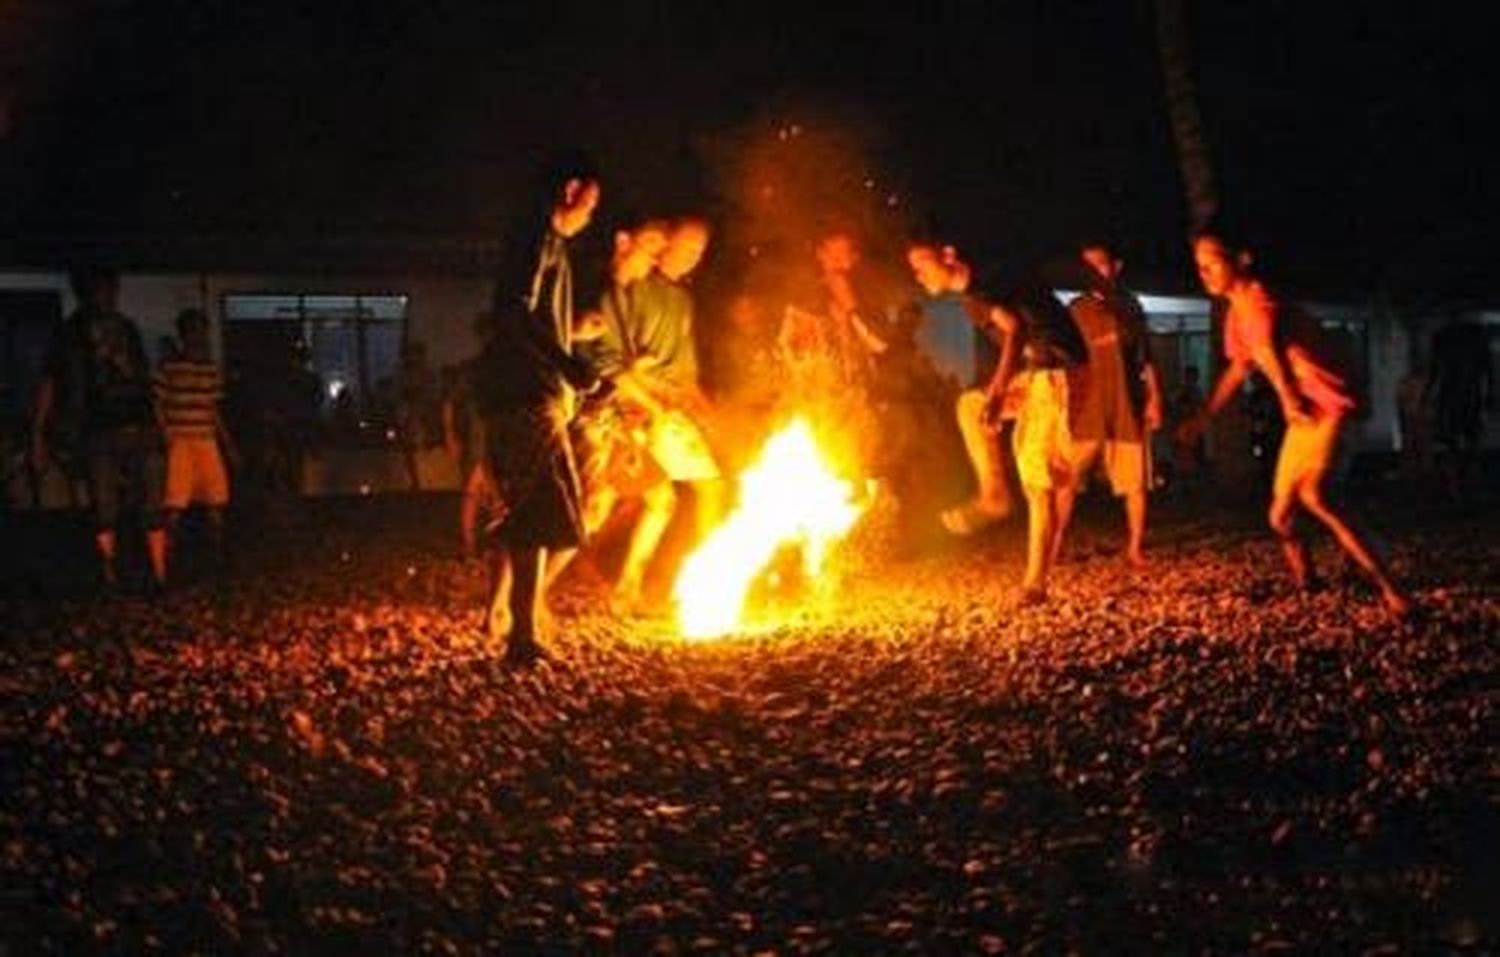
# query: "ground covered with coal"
x,y
323,757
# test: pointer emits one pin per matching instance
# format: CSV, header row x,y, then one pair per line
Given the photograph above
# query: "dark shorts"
x,y
530,462
126,467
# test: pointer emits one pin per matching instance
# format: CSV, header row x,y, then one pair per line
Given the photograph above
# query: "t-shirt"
x,y
524,364
100,369
947,337
652,317
1257,319
188,393
1110,331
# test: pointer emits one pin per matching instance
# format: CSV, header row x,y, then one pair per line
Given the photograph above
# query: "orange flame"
x,y
791,496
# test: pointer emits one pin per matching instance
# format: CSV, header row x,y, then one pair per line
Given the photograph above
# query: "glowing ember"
x,y
791,496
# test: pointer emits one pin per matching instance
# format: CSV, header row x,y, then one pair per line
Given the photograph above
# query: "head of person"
x,y
574,205
937,269
96,287
192,332
746,312
1104,265
686,244
1221,263
838,253
638,251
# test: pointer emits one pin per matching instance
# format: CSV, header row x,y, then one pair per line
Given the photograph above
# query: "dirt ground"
x,y
318,754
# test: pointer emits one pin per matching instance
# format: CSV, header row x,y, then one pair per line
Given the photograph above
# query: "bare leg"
x,y
468,509
710,498
1282,519
660,501
1065,497
497,618
528,567
1041,522
213,517
983,448
156,553
1311,495
1135,522
108,547
597,509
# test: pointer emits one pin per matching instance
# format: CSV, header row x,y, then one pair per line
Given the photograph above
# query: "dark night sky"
x,y
1353,137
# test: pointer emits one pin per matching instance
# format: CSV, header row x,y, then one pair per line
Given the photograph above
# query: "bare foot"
x,y
1031,596
1398,605
973,517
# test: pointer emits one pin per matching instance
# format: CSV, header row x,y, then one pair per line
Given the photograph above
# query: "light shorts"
x,y
195,474
1041,439
1128,464
1308,451
679,446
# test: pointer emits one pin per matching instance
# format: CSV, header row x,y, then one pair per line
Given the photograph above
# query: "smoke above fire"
x,y
796,172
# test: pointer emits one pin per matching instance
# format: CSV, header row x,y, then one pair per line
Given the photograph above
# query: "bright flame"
x,y
790,496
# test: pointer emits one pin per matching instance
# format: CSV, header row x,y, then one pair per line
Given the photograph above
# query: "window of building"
x,y
28,320
348,347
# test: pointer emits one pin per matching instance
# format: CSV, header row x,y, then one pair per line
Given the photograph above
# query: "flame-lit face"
x,y
746,313
1217,267
685,249
790,496
838,254
575,208
637,253
1102,263
928,268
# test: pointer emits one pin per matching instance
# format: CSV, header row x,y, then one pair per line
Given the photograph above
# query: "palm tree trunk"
x,y
1182,111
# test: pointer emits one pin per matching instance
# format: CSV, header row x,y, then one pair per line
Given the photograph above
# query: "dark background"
x,y
1352,137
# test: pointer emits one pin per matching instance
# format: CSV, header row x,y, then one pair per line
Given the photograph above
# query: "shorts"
x,y
1041,439
1308,451
678,445
195,474
1128,464
125,466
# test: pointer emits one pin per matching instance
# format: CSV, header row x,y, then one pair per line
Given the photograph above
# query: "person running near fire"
x,y
1122,403
610,430
1286,345
955,337
648,352
523,383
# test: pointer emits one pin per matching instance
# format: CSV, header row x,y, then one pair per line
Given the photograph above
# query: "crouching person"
x,y
1035,381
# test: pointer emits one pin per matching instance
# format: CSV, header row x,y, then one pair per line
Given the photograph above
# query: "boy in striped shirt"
x,y
188,390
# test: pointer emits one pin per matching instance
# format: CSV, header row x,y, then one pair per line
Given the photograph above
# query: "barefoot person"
x,y
952,338
1040,359
523,379
649,353
1286,346
1121,404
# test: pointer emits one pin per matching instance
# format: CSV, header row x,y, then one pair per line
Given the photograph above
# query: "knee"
x,y
1279,517
1311,496
969,409
662,498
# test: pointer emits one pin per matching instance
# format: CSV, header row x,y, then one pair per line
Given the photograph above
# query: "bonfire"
x,y
791,498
